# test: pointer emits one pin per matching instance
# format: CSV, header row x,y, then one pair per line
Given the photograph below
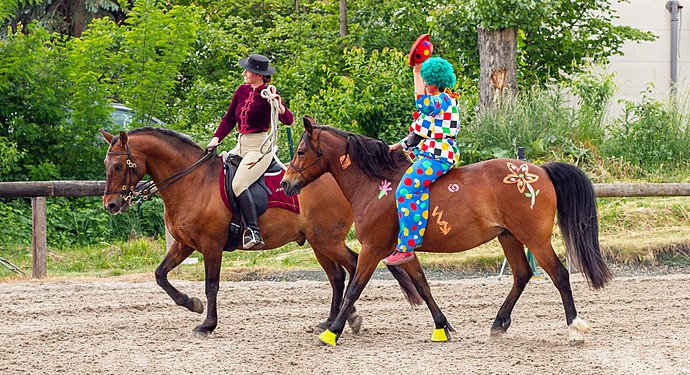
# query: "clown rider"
x,y
432,140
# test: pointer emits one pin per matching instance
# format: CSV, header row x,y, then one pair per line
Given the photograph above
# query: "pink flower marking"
x,y
384,188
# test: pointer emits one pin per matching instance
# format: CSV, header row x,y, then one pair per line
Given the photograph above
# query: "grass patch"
x,y
651,247
102,260
642,214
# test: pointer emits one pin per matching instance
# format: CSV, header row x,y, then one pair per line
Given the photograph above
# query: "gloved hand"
x,y
281,107
213,143
394,146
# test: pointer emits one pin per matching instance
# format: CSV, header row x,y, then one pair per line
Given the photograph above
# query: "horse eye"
x,y
118,167
300,153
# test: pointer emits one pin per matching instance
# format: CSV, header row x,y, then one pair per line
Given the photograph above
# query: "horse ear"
x,y
309,123
123,138
107,136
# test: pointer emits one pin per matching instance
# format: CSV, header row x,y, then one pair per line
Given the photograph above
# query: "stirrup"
x,y
252,239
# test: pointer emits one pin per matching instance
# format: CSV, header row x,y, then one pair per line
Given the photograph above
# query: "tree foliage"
x,y
178,61
556,39
33,84
507,14
55,90
155,43
66,17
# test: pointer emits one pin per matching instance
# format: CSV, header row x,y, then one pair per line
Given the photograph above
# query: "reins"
x,y
149,188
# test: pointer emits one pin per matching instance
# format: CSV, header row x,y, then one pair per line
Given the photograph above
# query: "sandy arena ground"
x,y
640,325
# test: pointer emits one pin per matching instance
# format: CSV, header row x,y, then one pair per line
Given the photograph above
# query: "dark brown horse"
x,y
198,220
509,199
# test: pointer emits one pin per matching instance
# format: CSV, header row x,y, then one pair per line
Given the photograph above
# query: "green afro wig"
x,y
439,72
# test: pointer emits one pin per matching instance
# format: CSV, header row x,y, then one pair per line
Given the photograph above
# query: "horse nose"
x,y
111,207
285,186
290,188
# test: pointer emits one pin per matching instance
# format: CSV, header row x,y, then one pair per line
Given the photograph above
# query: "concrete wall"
x,y
650,62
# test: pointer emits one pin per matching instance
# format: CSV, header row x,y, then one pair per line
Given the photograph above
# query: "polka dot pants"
x,y
412,200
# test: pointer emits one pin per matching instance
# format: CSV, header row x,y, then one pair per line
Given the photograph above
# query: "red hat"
x,y
421,50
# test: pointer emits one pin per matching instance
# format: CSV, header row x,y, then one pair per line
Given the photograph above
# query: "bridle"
x,y
318,156
149,188
128,190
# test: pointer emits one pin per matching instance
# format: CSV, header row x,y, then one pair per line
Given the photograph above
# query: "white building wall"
x,y
650,62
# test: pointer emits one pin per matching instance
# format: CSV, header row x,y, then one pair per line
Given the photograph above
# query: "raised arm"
x,y
418,81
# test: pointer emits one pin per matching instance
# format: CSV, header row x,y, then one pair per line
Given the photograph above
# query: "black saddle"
x,y
258,190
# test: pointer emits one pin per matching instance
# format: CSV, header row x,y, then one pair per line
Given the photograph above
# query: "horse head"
x,y
308,163
124,169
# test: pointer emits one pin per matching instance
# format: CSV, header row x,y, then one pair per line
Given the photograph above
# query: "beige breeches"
x,y
249,148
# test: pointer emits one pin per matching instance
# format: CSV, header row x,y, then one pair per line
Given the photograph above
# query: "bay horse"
x,y
197,218
510,199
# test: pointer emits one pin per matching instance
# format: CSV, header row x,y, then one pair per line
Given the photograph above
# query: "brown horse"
x,y
187,180
509,199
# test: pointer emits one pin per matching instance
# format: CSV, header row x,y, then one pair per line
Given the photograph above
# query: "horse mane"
x,y
371,155
177,137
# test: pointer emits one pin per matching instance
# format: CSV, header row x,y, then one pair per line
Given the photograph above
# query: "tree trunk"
x,y
498,65
343,17
78,16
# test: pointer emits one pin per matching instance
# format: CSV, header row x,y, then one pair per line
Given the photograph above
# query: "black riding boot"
x,y
252,237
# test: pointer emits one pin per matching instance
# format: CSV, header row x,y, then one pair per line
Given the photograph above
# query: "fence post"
x,y
38,237
290,145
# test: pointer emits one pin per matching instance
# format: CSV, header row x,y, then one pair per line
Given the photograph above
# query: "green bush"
x,y
372,96
539,120
15,222
594,92
651,134
74,222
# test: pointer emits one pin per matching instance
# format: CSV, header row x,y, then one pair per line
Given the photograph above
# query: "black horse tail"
x,y
406,285
577,218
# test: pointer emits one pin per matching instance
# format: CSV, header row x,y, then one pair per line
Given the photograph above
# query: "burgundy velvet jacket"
x,y
250,112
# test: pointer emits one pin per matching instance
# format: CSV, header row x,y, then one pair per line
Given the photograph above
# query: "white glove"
x,y
214,142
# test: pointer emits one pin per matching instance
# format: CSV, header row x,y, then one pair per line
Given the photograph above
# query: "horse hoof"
x,y
576,331
197,305
198,335
497,333
440,335
328,338
324,325
355,322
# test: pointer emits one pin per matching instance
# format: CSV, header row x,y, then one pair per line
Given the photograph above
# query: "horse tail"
x,y
406,285
577,218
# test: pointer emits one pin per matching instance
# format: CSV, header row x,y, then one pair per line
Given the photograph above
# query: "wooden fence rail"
x,y
39,190
30,189
642,190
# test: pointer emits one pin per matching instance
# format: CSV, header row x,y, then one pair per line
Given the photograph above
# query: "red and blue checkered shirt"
x,y
437,121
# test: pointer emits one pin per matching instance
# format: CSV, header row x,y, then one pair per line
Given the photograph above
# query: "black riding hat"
x,y
257,64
